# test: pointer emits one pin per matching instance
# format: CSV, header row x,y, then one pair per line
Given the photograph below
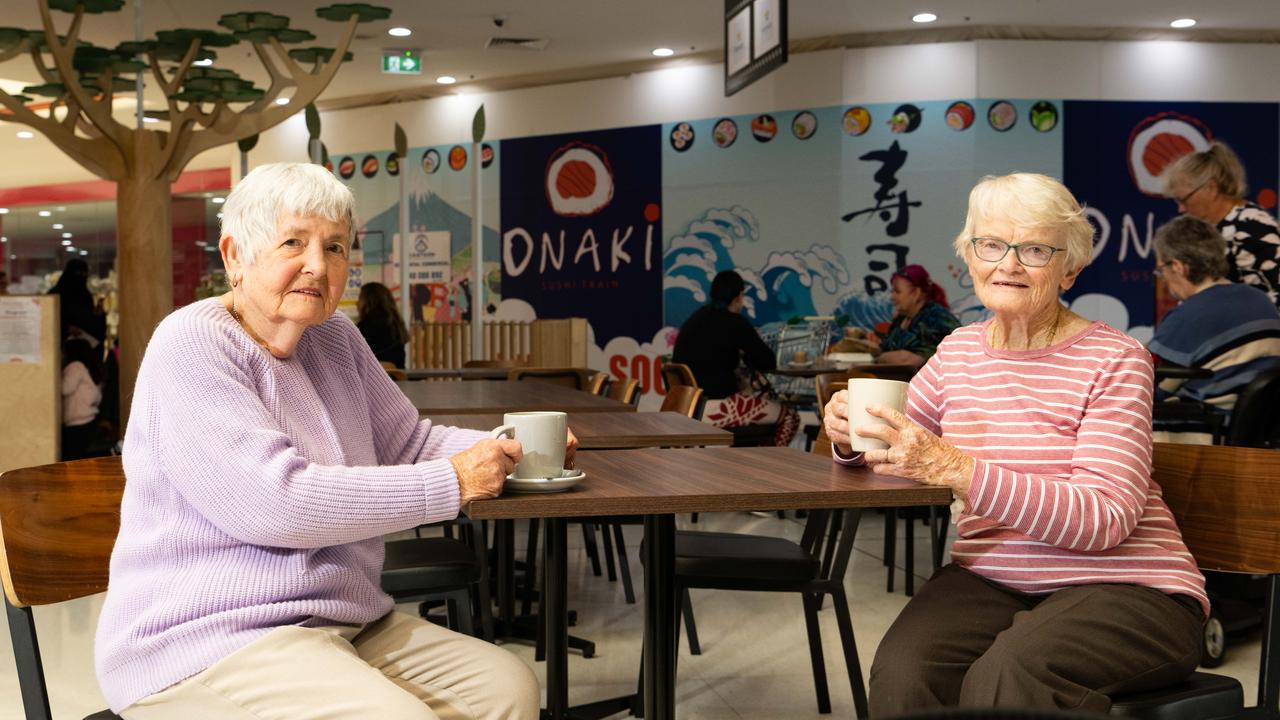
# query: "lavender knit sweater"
x,y
257,493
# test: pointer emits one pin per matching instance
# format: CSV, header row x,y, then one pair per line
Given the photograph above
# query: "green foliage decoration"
x,y
343,12
287,35
477,125
11,37
246,21
91,7
316,54
53,90
182,38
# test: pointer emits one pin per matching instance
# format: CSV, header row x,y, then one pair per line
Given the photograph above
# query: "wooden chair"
x,y
1227,504
685,400
674,374
596,384
394,372
624,390
58,524
576,378
500,363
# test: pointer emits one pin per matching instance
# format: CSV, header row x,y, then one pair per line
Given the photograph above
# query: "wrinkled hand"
x,y
835,420
483,467
915,453
872,339
570,450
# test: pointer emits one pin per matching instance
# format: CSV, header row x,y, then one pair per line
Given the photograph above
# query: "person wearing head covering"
x,y
267,454
728,359
1210,185
81,316
921,319
1229,328
1069,580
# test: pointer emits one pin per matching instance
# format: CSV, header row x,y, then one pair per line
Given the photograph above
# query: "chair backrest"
x,y
674,374
685,400
1254,420
828,384
1226,501
394,372
575,378
58,524
624,390
596,384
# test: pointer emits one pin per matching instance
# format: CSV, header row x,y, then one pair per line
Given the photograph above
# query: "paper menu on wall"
x,y
19,330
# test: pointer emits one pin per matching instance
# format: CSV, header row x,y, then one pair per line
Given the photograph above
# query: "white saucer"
x,y
805,364
544,485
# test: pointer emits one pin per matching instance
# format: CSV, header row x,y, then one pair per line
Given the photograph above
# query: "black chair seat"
x,y
1203,696
735,555
103,715
436,562
753,435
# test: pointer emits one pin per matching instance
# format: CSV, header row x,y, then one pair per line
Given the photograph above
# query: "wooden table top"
x,y
660,481
494,396
605,430
889,371
470,373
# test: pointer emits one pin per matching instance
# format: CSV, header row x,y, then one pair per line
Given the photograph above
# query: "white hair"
x,y
253,209
1029,201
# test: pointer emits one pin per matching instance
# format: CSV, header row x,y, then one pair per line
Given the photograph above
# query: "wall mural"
x,y
815,207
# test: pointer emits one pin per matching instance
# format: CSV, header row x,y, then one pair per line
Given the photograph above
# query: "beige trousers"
x,y
399,667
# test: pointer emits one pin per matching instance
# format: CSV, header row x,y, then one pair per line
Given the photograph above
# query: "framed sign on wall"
x,y
755,41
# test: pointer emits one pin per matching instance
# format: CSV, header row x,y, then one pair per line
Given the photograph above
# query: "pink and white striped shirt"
x,y
1062,492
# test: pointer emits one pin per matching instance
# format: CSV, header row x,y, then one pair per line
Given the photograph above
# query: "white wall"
x,y
984,68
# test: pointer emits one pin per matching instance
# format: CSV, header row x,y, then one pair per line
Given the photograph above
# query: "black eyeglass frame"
x,y
1017,250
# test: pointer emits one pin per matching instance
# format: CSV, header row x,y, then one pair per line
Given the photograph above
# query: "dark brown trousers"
x,y
963,640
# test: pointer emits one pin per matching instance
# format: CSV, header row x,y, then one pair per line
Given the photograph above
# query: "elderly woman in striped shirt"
x,y
1069,580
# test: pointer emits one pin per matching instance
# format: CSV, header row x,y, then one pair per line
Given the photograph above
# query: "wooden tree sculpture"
x,y
207,107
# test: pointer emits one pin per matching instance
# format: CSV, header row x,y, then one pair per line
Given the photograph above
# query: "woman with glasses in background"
x,y
1069,580
1210,185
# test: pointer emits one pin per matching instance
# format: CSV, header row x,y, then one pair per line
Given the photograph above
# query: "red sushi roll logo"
x,y
1157,142
369,166
579,180
457,157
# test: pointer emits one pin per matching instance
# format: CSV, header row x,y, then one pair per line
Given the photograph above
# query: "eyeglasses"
x,y
1029,254
1183,200
1159,269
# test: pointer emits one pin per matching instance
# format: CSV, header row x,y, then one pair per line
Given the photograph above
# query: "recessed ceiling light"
x,y
3,239
148,119
57,226
446,79
26,134
66,242
44,213
399,32
4,211
204,63
84,252
217,200
924,17
1183,23
282,101
663,52
66,235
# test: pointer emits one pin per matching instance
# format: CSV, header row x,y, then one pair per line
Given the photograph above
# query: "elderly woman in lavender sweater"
x,y
267,454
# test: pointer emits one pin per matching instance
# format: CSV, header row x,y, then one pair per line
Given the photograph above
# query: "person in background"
x,y
380,323
267,454
4,283
1210,185
1226,327
82,376
727,358
80,314
921,319
1069,580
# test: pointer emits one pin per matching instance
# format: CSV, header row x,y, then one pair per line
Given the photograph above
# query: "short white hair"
x,y
252,211
1029,201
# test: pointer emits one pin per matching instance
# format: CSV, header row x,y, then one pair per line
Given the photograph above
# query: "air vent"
x,y
516,43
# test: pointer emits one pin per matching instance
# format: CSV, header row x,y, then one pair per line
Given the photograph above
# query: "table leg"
x,y
659,617
555,598
504,542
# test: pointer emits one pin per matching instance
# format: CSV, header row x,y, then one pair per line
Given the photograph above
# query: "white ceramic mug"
x,y
543,436
872,391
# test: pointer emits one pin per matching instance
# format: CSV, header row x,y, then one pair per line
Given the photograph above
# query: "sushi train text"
x,y
619,250
1142,242
645,369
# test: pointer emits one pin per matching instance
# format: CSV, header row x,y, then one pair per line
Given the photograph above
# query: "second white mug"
x,y
543,436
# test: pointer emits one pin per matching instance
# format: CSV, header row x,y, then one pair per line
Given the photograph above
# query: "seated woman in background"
x,y
380,323
921,318
726,356
1226,327
82,376
1069,580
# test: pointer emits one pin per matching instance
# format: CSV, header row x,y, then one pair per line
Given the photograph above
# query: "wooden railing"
x,y
448,344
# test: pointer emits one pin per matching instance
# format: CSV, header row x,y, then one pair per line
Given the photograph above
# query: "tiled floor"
x,y
754,661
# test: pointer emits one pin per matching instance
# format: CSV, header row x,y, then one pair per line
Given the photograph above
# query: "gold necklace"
x,y
997,341
248,330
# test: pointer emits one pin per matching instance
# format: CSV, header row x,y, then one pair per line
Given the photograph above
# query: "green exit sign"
x,y
402,62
